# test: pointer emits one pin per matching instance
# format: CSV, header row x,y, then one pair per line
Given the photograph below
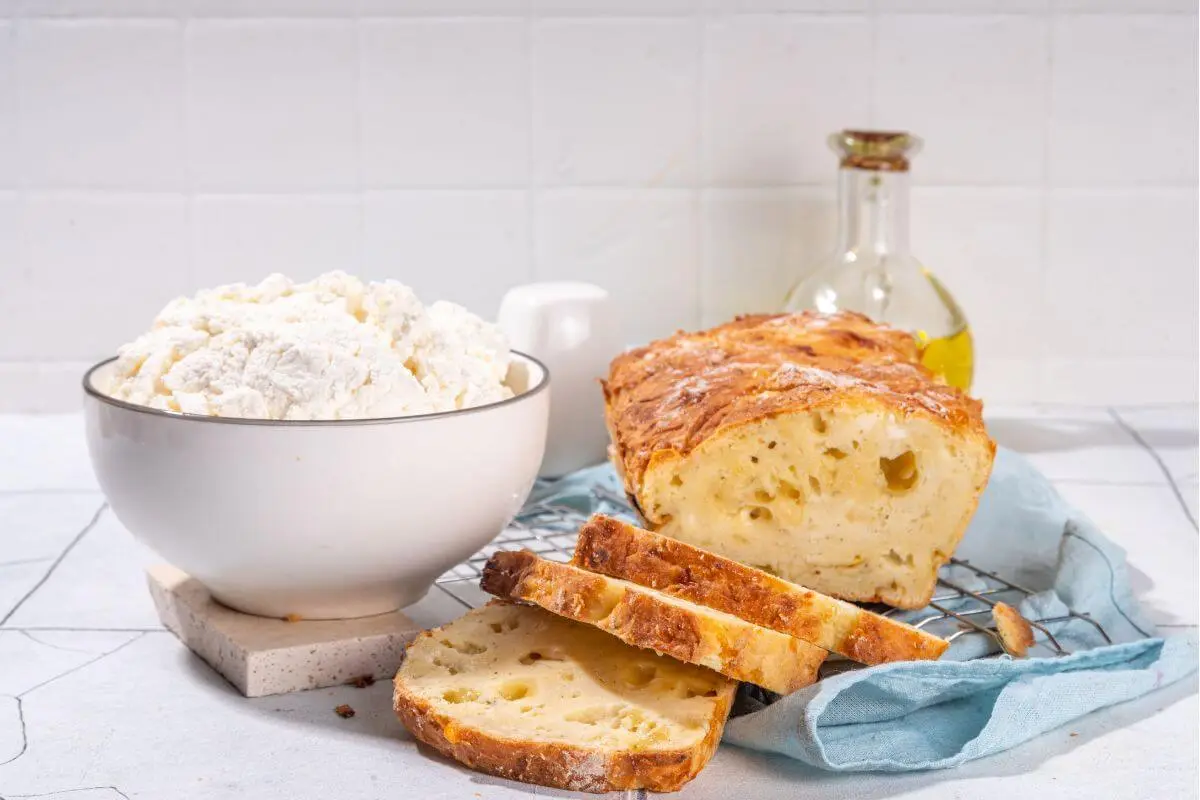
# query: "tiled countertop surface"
x,y
97,702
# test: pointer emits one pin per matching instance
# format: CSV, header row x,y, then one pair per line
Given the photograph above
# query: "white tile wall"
x,y
445,103
611,7
639,244
464,246
89,270
99,8
264,8
8,228
774,88
271,105
1125,262
962,6
302,235
986,244
1124,100
672,150
8,105
101,105
756,242
624,115
984,119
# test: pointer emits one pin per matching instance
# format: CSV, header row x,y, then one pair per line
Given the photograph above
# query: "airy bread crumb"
x,y
646,618
518,692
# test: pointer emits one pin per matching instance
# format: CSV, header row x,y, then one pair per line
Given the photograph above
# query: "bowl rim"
x,y
93,392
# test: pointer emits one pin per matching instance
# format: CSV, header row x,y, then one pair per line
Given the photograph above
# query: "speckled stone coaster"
x,y
263,656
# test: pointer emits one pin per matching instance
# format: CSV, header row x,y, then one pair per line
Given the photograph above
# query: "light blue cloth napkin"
x,y
932,715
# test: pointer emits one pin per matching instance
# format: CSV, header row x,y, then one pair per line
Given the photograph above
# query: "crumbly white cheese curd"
x,y
332,348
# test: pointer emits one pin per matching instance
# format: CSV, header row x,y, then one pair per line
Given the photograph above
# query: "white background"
x,y
671,152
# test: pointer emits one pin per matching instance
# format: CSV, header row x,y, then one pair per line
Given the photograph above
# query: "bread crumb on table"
x,y
362,681
344,711
293,618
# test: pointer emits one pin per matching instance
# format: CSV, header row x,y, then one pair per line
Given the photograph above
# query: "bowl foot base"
x,y
338,604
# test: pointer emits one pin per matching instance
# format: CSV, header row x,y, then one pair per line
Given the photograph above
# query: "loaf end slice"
x,y
612,547
518,692
650,619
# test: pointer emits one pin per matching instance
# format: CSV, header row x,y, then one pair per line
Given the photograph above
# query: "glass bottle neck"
x,y
874,212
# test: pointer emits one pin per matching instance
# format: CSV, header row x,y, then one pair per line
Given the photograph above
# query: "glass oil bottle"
x,y
872,270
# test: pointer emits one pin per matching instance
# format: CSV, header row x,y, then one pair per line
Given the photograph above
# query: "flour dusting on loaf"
x,y
812,446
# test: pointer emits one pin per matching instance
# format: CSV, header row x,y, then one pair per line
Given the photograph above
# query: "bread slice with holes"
x,y
519,692
647,618
612,547
815,446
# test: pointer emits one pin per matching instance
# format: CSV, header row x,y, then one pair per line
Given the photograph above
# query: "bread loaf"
x,y
814,447
518,692
645,618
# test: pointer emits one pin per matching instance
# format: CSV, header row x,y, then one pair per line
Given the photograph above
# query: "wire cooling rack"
x,y
961,606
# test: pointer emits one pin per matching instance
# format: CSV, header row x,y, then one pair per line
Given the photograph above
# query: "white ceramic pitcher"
x,y
572,329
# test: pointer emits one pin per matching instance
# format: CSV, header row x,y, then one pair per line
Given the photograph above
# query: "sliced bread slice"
x,y
615,548
646,618
518,692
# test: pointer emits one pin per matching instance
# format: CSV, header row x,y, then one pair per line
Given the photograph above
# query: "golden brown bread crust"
x,y
1016,634
733,647
664,399
575,768
615,548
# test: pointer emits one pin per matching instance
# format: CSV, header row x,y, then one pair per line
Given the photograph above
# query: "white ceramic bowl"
x,y
325,520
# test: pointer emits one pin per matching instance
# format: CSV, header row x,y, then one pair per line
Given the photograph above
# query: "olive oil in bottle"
x,y
872,270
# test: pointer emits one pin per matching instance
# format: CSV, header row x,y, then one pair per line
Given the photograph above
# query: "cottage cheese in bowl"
x,y
283,443
332,348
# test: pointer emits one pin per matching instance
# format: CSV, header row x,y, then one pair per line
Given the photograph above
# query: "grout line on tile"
x,y
21,561
189,201
699,165
1155,407
66,791
416,15
873,15
87,663
63,629
33,638
455,597
247,20
532,269
72,191
24,733
1044,187
1187,512
360,127
1102,482
41,582
51,492
623,17
19,188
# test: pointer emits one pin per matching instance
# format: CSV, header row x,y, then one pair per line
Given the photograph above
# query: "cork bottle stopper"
x,y
881,151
